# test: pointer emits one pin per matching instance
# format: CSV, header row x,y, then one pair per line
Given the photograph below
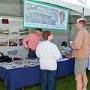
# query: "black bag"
x,y
4,58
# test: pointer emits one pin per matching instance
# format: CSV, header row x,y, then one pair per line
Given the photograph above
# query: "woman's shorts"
x,y
80,65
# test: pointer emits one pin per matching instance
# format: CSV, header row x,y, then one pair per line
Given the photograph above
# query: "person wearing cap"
x,y
31,41
80,52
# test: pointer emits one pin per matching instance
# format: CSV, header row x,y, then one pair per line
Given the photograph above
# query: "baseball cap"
x,y
39,29
81,19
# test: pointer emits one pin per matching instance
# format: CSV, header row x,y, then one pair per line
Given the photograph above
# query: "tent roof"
x,y
74,6
15,7
10,8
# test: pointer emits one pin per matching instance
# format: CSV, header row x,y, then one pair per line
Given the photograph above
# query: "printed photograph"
x,y
23,32
14,33
20,42
13,42
3,42
4,32
61,19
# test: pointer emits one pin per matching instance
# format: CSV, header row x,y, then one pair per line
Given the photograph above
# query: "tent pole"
x,y
69,33
21,7
83,10
83,13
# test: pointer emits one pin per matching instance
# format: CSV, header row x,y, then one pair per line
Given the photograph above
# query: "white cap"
x,y
80,19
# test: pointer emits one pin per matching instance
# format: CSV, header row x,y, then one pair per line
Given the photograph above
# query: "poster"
x,y
11,36
3,42
42,15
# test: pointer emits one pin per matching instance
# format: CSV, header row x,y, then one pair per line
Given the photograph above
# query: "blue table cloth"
x,y
20,77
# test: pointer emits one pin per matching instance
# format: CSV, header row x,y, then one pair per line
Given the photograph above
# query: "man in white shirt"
x,y
48,53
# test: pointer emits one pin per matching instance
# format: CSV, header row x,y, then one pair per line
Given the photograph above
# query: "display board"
x,y
42,15
11,36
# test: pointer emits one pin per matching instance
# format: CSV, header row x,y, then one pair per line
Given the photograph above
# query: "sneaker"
x,y
84,89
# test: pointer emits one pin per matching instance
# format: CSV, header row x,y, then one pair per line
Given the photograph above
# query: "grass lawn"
x,y
65,83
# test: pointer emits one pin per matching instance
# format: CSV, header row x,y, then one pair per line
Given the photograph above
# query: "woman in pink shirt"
x,y
31,42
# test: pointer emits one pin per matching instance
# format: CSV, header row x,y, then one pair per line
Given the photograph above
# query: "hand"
x,y
27,47
71,42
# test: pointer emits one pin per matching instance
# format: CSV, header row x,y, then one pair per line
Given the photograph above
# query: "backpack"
x,y
4,58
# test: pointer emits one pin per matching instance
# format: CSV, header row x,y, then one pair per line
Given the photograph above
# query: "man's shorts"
x,y
80,65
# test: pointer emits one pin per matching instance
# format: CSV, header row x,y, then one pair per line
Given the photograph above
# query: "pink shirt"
x,y
31,41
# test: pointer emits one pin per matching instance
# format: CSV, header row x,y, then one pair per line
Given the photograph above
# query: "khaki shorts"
x,y
80,65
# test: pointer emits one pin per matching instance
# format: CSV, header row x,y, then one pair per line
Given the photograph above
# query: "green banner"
x,y
42,15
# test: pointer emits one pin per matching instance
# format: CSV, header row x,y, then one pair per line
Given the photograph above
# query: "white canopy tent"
x,y
87,11
74,5
10,8
15,7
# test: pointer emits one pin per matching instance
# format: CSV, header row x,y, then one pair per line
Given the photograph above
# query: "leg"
x,y
80,68
34,54
79,84
43,79
30,54
51,80
85,80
